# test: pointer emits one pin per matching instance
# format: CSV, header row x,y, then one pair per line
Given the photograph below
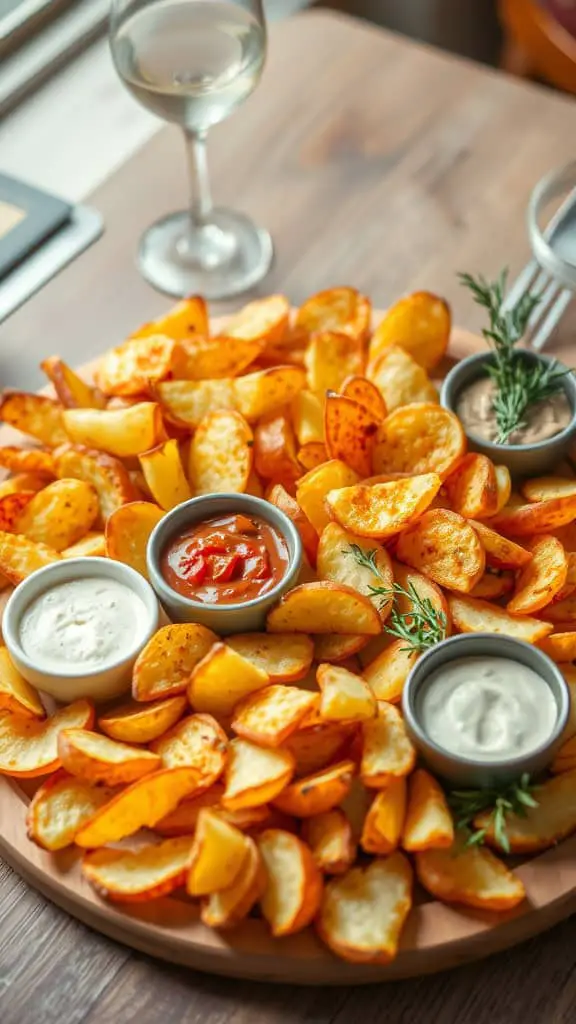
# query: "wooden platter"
x,y
436,936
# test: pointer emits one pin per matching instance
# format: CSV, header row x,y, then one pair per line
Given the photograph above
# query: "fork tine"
x,y
522,284
551,321
548,291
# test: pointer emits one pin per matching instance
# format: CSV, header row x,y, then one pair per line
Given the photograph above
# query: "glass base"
x,y
227,256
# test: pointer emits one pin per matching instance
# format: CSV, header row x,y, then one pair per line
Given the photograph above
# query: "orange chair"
x,y
539,41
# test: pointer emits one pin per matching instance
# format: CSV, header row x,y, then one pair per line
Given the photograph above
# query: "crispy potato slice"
x,y
19,557
140,805
570,583
127,533
545,488
59,807
221,454
561,647
363,391
346,697
222,679
329,836
29,747
164,474
471,875
186,402
503,486
323,608
136,876
387,673
387,751
314,746
263,319
535,517
493,585
93,545
163,668
279,496
428,824
542,579
426,590
11,505
562,613
184,319
337,561
198,741
284,658
272,714
444,546
343,310
316,484
350,431
199,358
400,379
338,647
275,450
330,358
255,775
308,418
384,821
35,415
28,460
501,553
420,323
121,432
130,368
228,907
294,884
472,488
419,438
382,510
59,515
183,819
71,390
545,825
262,392
104,472
16,694
471,615
217,857
315,794
142,723
312,455
363,911
96,758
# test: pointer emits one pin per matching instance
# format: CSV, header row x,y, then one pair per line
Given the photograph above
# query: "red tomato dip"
x,y
226,560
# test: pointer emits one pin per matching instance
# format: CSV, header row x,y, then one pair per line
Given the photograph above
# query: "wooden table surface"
x,y
377,163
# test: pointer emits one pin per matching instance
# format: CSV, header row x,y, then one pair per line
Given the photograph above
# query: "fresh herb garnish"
x,y
519,384
423,626
498,803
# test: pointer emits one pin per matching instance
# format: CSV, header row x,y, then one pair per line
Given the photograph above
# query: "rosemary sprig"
x,y
422,626
515,798
519,384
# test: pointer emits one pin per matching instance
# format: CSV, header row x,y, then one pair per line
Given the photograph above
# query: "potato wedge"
x,y
221,454
127,533
200,358
570,583
307,414
35,415
271,715
285,658
183,819
60,807
428,824
493,585
59,515
279,496
222,679
472,488
501,552
264,319
130,368
545,825
400,379
96,758
181,321
471,615
186,402
561,647
471,875
16,694
562,613
120,432
363,391
350,432
163,668
419,438
329,836
28,460
19,556
503,486
535,517
105,473
425,589
255,775
323,608
343,310
218,855
164,474
11,506
387,673
275,450
420,324
29,747
346,697
136,876
315,746
142,723
93,545
384,821
446,548
542,579
198,741
330,358
337,647
545,488
315,794
262,392
228,907
337,561
316,484
22,482
71,390
363,912
293,882
387,751
382,510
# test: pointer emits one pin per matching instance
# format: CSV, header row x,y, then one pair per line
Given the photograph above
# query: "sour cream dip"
x,y
82,625
487,709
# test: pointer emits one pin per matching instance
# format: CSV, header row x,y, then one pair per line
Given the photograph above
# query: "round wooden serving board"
x,y
436,936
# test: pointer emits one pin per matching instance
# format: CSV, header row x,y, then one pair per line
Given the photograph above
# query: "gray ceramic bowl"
x,y
521,459
468,772
225,618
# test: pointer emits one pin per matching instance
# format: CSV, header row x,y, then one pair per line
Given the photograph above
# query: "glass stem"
x,y
200,195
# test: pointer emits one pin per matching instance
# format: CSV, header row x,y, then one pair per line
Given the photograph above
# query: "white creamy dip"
x,y
487,708
82,625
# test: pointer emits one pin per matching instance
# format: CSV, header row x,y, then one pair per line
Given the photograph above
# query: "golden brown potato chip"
x,y
382,510
221,454
105,473
163,668
400,379
275,450
471,875
384,821
428,824
11,506
419,438
337,561
561,647
184,319
343,310
19,557
294,884
323,608
29,746
535,517
363,911
545,825
472,488
28,460
260,393
329,836
501,553
285,658
263,319
331,358
35,415
308,418
199,358
545,488
350,431
387,673
541,580
420,324
97,758
346,697
387,752
136,876
338,647
60,514
164,475
255,775
127,532
271,715
363,391
313,488
71,390
493,584
317,793
16,694
218,855
93,545
228,907
222,679
474,616
445,547
132,367
186,402
141,723
121,432
197,741
278,495
59,808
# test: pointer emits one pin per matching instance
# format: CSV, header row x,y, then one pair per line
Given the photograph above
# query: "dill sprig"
x,y
421,627
519,384
514,798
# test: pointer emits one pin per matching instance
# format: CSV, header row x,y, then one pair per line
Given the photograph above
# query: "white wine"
x,y
190,61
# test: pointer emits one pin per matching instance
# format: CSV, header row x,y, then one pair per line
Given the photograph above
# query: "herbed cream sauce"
x,y
475,410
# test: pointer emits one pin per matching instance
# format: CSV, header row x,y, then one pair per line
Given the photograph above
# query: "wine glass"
x,y
193,62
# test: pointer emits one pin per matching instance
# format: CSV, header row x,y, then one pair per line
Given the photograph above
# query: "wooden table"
x,y
374,162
